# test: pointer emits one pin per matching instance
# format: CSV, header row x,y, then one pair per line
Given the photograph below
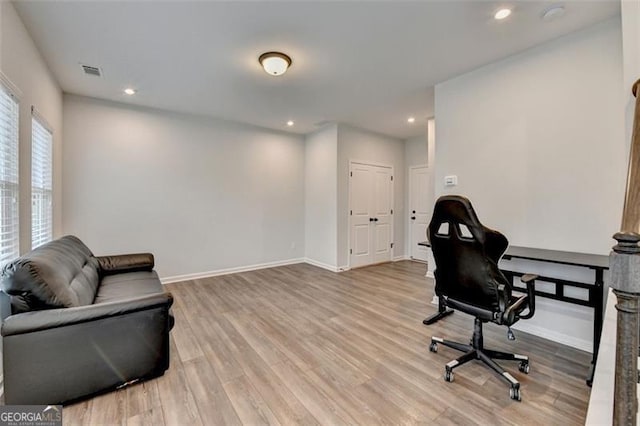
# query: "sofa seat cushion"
x,y
128,285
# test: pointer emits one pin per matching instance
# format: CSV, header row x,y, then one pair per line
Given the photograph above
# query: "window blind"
x,y
41,181
9,231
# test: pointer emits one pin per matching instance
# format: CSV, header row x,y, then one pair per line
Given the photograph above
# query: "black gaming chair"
x,y
468,279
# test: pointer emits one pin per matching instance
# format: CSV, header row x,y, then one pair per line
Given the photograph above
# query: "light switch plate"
x,y
451,180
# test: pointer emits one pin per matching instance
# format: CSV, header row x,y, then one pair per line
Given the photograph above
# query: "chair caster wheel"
x,y
448,376
514,393
433,347
524,367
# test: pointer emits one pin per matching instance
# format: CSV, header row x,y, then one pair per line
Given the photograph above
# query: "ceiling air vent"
x,y
89,70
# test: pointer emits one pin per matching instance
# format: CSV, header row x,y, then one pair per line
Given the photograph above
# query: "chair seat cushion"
x,y
128,285
477,311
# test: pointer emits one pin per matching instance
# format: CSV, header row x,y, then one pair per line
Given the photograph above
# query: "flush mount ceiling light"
x,y
129,91
411,120
290,123
553,12
275,63
502,14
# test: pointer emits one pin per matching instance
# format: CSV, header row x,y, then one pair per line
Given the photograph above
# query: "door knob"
x,y
375,219
370,219
413,218
414,212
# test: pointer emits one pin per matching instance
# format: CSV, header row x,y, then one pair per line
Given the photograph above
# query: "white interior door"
x,y
420,210
382,222
361,211
371,219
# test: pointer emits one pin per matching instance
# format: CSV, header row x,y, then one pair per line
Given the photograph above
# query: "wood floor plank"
x,y
301,345
324,408
248,403
78,413
178,404
142,398
187,343
109,409
152,416
208,392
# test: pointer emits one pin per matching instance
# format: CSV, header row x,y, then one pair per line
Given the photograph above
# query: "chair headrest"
x,y
456,209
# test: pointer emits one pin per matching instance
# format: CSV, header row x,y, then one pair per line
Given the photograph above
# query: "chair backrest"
x,y
467,255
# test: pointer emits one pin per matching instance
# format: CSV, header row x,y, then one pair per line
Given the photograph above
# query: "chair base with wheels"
x,y
477,351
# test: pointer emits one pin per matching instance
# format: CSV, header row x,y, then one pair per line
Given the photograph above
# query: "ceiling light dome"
x,y
502,14
275,63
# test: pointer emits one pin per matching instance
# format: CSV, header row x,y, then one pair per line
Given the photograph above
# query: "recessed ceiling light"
x,y
290,123
129,91
502,13
553,12
411,120
275,63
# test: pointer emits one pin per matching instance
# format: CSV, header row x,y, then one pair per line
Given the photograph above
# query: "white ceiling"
x,y
370,64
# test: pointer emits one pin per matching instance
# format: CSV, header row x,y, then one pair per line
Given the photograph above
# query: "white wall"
x,y
431,156
361,145
321,186
415,154
24,67
537,141
202,195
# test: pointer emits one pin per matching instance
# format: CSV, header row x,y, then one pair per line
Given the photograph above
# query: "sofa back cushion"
x,y
61,273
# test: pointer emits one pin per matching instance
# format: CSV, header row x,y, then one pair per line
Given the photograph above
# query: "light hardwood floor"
x,y
301,345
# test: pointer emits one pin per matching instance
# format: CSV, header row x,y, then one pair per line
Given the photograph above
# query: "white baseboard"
x,y
199,275
321,265
565,339
403,257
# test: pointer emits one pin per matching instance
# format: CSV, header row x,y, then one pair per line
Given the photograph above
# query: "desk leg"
x,y
442,312
597,321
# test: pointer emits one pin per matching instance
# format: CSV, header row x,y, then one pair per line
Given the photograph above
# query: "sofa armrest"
x,y
125,263
52,318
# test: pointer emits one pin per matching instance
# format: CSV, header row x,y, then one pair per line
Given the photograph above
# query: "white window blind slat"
x,y
9,116
41,183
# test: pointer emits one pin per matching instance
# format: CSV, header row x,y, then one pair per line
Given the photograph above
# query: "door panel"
x,y
361,192
361,242
382,193
382,240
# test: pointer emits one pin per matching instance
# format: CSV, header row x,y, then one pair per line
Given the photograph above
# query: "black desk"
x,y
597,263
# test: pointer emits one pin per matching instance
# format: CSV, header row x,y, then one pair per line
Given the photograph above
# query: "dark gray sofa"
x,y
76,325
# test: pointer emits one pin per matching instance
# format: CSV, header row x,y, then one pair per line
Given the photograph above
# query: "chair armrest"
x,y
509,316
125,263
530,281
52,318
512,312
